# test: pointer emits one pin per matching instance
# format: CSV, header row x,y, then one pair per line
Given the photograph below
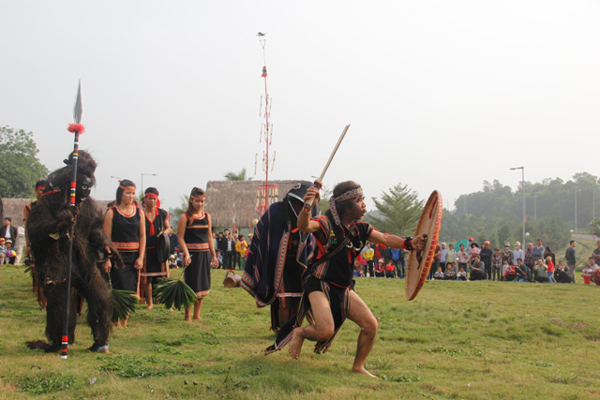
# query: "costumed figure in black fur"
x,y
48,228
277,257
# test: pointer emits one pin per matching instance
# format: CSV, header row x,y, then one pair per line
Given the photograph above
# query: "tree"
x,y
240,176
21,168
398,211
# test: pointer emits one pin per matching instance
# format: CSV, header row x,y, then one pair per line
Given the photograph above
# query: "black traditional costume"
x,y
126,238
276,263
197,273
153,266
331,271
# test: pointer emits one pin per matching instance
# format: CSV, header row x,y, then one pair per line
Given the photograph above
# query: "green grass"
x,y
456,340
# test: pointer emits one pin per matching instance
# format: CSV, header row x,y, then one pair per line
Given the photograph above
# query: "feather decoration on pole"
x,y
77,129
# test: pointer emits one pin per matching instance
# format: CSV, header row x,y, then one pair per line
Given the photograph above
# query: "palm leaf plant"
x,y
124,302
175,293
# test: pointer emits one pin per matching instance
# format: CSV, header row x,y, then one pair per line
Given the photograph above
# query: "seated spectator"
x,y
550,265
508,272
390,269
358,269
589,270
521,272
561,274
540,271
2,250
462,274
439,274
380,269
477,268
450,273
172,262
10,253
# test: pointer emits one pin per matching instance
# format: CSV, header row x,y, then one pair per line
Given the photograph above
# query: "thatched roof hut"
x,y
237,202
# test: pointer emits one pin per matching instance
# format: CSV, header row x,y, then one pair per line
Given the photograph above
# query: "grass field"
x,y
456,340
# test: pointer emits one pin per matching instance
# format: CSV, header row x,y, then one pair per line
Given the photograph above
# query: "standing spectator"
x,y
496,263
550,265
451,255
368,254
538,251
463,257
571,256
397,256
221,247
486,257
443,257
549,253
229,250
596,253
242,247
507,255
473,251
528,261
378,252
477,269
236,255
518,253
9,232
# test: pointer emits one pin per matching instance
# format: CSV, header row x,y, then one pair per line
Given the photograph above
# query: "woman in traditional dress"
x,y
157,224
194,233
123,223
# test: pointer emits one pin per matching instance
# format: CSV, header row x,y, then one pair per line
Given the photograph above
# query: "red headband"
x,y
151,195
39,187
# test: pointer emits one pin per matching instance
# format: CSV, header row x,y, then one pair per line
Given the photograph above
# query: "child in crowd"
x,y
450,272
462,274
550,266
2,250
496,263
439,274
509,272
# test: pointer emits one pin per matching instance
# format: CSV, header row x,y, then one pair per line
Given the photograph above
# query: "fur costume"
x,y
49,226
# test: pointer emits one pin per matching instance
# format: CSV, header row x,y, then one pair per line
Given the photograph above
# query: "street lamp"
x,y
522,189
143,173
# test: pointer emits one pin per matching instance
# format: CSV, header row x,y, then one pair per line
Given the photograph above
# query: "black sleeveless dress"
x,y
197,274
152,230
126,238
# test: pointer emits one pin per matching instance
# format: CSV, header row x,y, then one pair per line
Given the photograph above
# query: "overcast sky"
x,y
440,94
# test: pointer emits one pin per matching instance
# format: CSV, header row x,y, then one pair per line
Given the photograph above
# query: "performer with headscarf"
x,y
157,224
276,262
339,237
195,239
37,287
124,224
49,225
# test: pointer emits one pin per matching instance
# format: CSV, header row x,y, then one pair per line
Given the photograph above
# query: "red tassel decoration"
x,y
76,128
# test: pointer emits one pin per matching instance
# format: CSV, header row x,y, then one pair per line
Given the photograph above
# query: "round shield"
x,y
419,262
163,249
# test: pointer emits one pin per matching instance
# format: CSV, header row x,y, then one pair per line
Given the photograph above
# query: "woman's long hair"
x,y
190,210
120,190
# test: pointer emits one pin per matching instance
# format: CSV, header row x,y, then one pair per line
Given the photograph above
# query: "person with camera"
x,y
521,272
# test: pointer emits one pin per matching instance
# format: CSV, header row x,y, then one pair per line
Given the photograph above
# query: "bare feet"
x,y
187,319
118,324
295,346
150,307
362,370
198,318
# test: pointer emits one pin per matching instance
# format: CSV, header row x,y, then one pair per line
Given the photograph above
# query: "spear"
x,y
77,129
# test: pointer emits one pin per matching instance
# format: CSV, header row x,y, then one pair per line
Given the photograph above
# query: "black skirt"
x,y
125,278
197,274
